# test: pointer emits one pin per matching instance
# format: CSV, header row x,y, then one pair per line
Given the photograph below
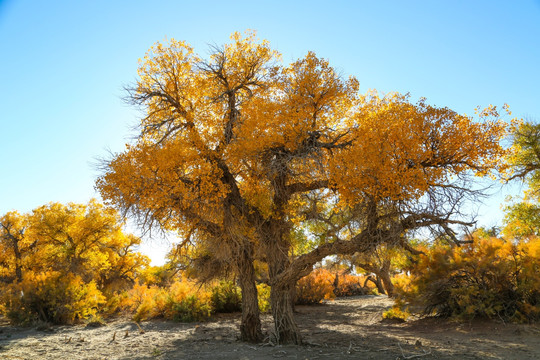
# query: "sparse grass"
x,y
157,352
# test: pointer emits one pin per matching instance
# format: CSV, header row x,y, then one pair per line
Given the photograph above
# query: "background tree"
x,y
522,219
59,261
232,146
16,245
383,262
87,240
525,153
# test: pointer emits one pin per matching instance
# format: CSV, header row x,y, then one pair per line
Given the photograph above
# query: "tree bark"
x,y
387,283
282,289
384,275
285,329
250,327
18,259
379,284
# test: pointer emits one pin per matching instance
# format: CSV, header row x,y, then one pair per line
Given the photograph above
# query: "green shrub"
x,y
226,297
191,309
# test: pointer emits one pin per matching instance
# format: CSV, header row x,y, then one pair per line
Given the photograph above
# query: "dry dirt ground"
x,y
348,328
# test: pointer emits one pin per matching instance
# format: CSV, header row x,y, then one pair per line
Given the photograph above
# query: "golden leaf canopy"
x,y
229,127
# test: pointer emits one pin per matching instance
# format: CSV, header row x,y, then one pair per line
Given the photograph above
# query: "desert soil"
x,y
348,328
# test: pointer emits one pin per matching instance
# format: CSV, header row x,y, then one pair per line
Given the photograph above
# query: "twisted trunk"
x,y
250,327
282,289
285,329
384,275
377,281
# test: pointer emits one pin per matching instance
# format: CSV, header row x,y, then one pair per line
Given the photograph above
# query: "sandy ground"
x,y
349,328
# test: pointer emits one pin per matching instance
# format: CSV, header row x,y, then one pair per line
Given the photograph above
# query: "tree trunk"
x,y
242,258
386,280
16,252
387,283
282,291
250,327
380,287
377,282
285,329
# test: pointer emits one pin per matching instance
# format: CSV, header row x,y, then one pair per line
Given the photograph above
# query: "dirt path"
x,y
349,328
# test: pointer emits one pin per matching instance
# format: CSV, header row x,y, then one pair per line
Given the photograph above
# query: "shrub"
x,y
396,313
53,298
186,301
191,308
182,301
491,278
226,297
139,301
315,287
348,285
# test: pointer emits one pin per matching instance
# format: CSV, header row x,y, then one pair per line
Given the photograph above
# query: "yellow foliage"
x,y
396,313
263,292
60,261
183,301
226,127
349,285
52,297
490,278
323,284
231,147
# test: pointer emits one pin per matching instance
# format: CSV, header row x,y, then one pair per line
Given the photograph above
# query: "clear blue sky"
x,y
63,65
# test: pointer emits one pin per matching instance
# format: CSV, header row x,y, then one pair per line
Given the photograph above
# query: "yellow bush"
x,y
182,301
52,297
490,278
396,313
188,302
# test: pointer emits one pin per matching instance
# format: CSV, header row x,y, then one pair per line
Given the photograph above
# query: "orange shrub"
x,y
349,285
315,287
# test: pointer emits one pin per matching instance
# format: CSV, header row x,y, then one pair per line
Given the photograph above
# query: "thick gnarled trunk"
x,y
282,290
285,329
250,327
